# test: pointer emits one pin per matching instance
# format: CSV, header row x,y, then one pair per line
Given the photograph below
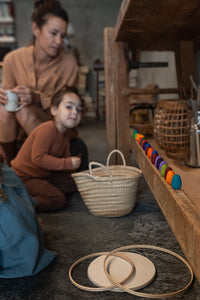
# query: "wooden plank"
x,y
136,91
109,60
122,101
158,24
185,63
181,213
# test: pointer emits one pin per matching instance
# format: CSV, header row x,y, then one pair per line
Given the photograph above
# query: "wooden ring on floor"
x,y
99,289
145,295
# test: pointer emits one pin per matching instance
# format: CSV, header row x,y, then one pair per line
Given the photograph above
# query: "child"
x,y
22,248
44,162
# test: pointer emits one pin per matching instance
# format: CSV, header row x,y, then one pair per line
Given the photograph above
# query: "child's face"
x,y
68,113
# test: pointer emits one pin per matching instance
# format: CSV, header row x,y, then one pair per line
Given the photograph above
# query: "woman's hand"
x,y
76,161
24,94
3,97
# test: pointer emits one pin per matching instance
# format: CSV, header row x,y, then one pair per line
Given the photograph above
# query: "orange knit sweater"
x,y
45,150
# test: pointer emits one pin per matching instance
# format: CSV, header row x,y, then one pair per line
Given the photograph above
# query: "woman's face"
x,y
50,37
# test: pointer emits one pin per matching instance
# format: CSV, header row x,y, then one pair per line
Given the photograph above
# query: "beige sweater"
x,y
18,69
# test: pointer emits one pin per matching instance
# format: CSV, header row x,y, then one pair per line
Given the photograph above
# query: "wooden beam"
x,y
135,91
185,63
117,105
110,104
122,101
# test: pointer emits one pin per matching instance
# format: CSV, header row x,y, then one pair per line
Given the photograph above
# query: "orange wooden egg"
x,y
149,152
169,176
138,136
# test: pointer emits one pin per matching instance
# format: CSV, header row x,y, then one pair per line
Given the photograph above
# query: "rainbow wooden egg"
x,y
169,176
166,171
144,144
150,150
161,164
139,140
158,161
138,136
154,151
135,131
147,148
162,171
153,157
176,182
144,141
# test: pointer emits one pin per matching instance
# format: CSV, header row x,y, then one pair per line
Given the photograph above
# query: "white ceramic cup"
x,y
13,102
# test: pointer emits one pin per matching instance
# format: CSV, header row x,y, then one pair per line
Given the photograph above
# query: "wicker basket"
x,y
158,115
174,128
108,191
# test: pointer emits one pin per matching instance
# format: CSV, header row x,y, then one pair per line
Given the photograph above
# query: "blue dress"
x,y
22,250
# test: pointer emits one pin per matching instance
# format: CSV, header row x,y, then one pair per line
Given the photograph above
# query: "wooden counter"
x,y
181,208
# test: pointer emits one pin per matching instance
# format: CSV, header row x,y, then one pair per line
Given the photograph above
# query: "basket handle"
x,y
92,163
115,151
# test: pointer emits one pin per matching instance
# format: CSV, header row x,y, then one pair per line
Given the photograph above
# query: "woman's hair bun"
x,y
39,3
44,8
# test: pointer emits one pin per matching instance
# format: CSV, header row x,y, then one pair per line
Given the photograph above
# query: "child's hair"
x,y
58,96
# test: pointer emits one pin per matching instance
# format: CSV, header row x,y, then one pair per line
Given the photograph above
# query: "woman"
x,y
35,73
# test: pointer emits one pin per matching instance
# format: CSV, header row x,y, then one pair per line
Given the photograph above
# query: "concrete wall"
x,y
164,77
89,18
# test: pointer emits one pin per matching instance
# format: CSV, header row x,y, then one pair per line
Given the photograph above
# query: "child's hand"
x,y
76,161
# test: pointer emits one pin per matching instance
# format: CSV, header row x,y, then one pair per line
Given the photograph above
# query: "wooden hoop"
x,y
145,295
92,289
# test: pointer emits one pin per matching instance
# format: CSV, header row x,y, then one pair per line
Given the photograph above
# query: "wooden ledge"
x,y
181,212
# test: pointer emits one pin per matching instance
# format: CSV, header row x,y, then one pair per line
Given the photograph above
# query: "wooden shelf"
x,y
155,25
7,39
138,21
6,20
180,207
7,32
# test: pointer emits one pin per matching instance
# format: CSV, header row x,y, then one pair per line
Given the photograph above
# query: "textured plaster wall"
x,y
89,18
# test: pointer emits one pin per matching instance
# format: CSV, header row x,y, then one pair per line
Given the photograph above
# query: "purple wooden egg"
x,y
144,144
158,161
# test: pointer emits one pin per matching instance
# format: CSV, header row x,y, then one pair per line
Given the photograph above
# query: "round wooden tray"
x,y
119,268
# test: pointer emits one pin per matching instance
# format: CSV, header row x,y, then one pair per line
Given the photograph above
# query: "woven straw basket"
x,y
108,191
